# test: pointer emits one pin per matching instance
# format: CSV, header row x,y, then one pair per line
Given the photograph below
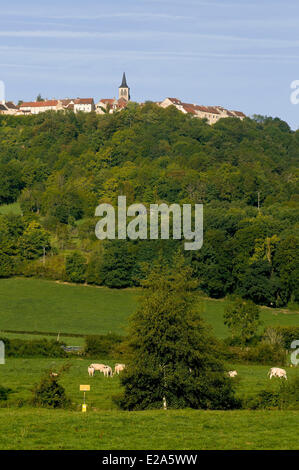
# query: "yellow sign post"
x,y
84,388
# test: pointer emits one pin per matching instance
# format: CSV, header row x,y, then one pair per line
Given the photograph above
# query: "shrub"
x,y
75,267
266,399
237,341
285,397
289,394
288,333
49,393
273,336
8,265
102,344
263,353
4,391
52,269
266,354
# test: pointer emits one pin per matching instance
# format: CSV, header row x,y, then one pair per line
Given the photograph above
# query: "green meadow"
x,y
38,305
150,430
34,305
105,427
21,374
46,306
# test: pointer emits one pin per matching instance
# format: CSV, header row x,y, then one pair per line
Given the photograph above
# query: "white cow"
x,y
107,371
99,367
232,373
53,374
91,371
277,372
119,368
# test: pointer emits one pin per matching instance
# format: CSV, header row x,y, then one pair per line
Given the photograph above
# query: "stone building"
x,y
8,107
211,113
75,104
110,105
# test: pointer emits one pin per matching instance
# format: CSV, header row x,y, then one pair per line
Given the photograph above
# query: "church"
x,y
211,114
109,105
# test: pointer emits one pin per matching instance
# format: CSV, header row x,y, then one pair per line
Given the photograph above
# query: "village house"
x,y
110,105
8,107
79,104
36,107
84,104
211,113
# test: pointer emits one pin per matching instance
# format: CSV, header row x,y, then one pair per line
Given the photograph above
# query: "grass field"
x,y
20,374
105,427
38,305
175,430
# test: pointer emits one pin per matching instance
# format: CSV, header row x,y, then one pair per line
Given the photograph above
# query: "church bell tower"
x,y
124,90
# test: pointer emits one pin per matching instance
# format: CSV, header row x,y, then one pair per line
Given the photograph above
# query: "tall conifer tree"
x,y
171,358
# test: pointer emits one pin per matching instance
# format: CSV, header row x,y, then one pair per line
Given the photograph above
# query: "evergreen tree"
x,y
117,267
171,358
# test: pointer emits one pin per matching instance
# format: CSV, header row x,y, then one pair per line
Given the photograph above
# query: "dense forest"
x,y
60,166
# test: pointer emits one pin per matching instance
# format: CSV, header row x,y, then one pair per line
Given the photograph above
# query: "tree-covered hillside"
x,y
60,166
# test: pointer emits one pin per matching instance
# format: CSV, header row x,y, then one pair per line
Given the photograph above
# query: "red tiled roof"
x,y
212,110
39,104
203,109
107,100
10,105
83,101
239,113
67,101
175,100
122,103
190,108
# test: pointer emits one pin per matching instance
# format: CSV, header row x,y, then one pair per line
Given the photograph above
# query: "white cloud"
x,y
153,35
65,58
128,15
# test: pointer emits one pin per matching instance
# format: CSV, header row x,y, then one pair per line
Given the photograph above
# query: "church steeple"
x,y
124,82
124,90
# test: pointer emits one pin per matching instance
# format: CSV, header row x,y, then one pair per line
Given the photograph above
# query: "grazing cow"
x,y
53,374
90,371
232,373
99,367
277,372
107,371
119,368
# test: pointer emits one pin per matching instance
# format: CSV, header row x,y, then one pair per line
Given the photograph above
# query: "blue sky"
x,y
239,54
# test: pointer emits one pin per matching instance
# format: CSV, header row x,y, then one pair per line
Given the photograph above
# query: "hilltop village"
x,y
110,105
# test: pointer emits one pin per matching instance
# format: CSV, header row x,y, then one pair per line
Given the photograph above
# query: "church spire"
x,y
124,82
124,90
